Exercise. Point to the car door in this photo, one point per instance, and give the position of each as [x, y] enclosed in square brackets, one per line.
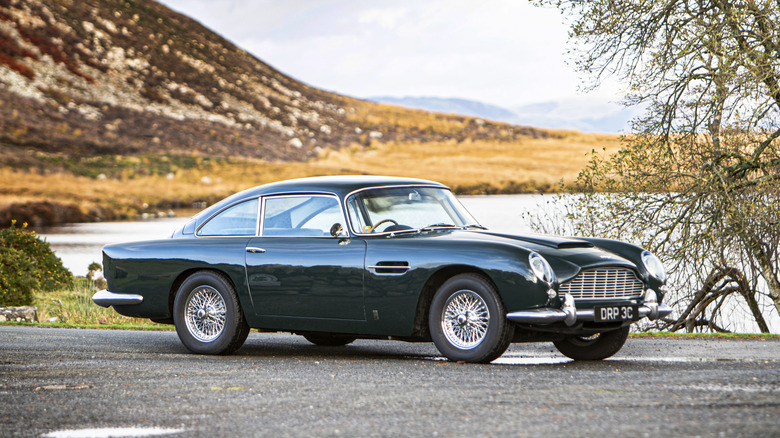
[297, 269]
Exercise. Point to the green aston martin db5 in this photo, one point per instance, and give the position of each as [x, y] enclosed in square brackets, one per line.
[335, 259]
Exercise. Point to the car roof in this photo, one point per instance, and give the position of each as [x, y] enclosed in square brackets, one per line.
[341, 186]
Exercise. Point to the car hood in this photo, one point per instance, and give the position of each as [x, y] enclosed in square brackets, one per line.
[568, 256]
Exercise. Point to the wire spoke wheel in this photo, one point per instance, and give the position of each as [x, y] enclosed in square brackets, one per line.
[465, 319]
[205, 314]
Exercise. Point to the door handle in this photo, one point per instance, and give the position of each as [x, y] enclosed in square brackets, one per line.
[254, 250]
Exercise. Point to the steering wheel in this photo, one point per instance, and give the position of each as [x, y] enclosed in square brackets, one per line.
[383, 221]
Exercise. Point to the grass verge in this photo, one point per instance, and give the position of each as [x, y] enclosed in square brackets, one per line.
[154, 327]
[74, 308]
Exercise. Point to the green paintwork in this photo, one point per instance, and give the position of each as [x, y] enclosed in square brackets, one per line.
[372, 285]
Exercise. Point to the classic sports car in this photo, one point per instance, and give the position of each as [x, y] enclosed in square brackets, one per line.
[335, 259]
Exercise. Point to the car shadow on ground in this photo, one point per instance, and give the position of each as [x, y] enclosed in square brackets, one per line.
[285, 346]
[296, 347]
[291, 346]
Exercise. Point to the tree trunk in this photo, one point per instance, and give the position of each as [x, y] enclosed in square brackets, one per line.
[755, 310]
[771, 279]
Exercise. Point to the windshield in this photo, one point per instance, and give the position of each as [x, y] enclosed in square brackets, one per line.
[405, 208]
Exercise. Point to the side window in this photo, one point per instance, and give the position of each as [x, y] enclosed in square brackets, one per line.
[301, 216]
[238, 220]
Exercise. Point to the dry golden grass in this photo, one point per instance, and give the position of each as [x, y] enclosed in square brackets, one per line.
[369, 113]
[533, 162]
[491, 165]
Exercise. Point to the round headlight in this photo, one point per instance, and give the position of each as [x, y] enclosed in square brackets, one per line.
[654, 266]
[542, 269]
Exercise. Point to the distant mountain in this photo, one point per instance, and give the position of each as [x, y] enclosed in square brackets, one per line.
[581, 114]
[463, 107]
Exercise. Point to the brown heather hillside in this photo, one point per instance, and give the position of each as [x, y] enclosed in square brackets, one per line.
[101, 99]
[131, 77]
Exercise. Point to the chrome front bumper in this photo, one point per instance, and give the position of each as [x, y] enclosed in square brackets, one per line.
[570, 315]
[105, 298]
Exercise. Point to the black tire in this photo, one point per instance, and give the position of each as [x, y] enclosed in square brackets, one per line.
[596, 347]
[329, 339]
[480, 336]
[220, 327]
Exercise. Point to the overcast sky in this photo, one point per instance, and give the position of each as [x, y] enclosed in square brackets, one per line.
[504, 52]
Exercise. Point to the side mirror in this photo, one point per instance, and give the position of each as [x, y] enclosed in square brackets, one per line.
[337, 230]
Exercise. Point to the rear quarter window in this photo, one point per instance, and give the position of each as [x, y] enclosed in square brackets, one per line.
[238, 220]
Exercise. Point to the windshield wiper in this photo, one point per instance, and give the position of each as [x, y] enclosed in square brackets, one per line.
[435, 227]
[404, 231]
[441, 226]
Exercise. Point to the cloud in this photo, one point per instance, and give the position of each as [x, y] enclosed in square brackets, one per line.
[384, 18]
[505, 52]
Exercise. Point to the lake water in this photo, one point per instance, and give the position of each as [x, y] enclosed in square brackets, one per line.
[80, 244]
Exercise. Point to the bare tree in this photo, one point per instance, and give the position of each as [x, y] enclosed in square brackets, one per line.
[698, 179]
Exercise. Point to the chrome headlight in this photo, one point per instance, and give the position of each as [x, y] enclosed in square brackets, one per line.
[542, 269]
[654, 266]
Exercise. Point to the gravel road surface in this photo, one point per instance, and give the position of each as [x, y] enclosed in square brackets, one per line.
[69, 382]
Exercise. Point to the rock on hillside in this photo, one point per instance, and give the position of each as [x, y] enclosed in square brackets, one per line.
[93, 77]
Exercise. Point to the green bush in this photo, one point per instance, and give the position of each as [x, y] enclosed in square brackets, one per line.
[18, 278]
[27, 263]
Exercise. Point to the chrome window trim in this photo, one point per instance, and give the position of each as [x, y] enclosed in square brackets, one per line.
[260, 217]
[265, 198]
[260, 201]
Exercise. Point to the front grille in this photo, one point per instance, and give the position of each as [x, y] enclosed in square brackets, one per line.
[604, 283]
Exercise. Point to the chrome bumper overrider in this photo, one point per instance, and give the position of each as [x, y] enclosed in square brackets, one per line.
[570, 315]
[105, 298]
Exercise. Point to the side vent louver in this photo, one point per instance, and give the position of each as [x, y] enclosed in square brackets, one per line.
[390, 268]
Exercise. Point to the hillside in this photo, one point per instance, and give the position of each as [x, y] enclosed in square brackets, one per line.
[131, 77]
[97, 97]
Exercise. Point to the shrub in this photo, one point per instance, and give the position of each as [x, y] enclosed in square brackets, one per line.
[28, 263]
[18, 278]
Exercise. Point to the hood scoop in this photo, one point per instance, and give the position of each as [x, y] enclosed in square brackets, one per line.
[552, 241]
[557, 242]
